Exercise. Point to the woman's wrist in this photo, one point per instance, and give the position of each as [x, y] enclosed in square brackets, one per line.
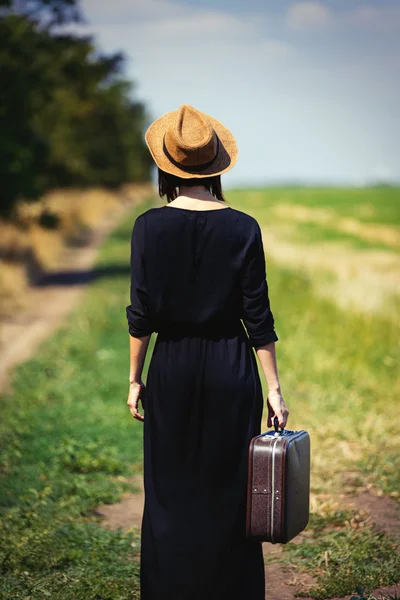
[274, 389]
[134, 382]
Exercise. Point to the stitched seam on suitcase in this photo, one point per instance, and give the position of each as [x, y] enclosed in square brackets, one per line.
[253, 499]
[273, 488]
[253, 503]
[260, 485]
[283, 495]
[270, 499]
[250, 490]
[280, 502]
[268, 487]
[261, 491]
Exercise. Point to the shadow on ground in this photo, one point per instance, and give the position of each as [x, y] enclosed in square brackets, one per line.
[81, 276]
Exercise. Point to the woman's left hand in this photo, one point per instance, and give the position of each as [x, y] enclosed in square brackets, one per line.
[137, 391]
[277, 408]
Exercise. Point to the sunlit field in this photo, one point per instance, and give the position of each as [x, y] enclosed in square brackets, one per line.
[333, 270]
[336, 300]
[70, 444]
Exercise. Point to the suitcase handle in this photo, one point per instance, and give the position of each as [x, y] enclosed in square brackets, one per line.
[276, 425]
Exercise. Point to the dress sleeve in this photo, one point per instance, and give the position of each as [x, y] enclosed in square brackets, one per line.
[256, 311]
[137, 312]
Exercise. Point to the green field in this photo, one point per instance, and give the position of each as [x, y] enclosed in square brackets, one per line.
[69, 443]
[374, 205]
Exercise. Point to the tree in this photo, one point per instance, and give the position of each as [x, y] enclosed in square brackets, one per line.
[48, 12]
[66, 113]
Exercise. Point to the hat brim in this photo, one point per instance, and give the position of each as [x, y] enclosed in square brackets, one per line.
[223, 162]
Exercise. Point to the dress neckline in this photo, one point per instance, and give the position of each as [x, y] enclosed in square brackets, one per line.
[207, 210]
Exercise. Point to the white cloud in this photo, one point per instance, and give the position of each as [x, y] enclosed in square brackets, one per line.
[308, 15]
[374, 17]
[382, 172]
[156, 21]
[209, 39]
[121, 10]
[315, 15]
[364, 15]
[201, 24]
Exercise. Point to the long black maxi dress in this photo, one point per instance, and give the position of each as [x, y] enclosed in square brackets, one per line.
[196, 277]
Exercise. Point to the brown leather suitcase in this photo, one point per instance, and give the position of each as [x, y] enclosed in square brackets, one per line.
[278, 494]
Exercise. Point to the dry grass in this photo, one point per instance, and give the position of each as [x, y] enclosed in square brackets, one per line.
[28, 247]
[371, 232]
[13, 284]
[365, 280]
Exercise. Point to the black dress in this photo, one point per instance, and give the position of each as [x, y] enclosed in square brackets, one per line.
[194, 276]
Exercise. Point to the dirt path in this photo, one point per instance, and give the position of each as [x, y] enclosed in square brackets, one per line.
[281, 584]
[49, 303]
[53, 298]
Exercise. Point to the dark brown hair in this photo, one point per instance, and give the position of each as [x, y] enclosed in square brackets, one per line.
[168, 185]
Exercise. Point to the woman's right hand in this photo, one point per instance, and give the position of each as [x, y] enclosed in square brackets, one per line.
[137, 391]
[277, 408]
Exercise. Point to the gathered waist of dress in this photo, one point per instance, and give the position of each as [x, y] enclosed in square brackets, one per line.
[213, 328]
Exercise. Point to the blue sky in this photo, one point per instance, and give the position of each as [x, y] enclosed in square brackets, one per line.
[311, 90]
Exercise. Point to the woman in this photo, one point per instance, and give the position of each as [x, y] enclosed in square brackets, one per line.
[197, 269]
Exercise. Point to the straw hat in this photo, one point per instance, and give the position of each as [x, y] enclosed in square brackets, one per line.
[188, 143]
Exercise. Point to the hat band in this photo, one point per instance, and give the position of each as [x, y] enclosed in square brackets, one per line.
[194, 168]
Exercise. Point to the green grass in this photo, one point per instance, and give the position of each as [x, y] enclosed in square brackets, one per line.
[69, 442]
[344, 560]
[338, 381]
[306, 233]
[339, 377]
[339, 372]
[369, 205]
